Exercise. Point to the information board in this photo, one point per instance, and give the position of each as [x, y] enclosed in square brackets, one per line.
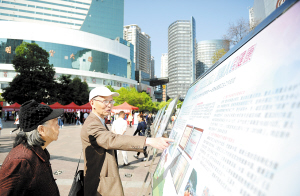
[166, 118]
[157, 116]
[157, 125]
[238, 130]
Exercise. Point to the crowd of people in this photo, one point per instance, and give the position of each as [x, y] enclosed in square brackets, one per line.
[27, 170]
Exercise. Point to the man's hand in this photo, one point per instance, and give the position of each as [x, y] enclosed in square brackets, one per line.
[159, 143]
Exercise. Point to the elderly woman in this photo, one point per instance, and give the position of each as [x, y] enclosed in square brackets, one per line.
[26, 170]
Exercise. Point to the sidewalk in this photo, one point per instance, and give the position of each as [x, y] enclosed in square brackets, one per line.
[65, 153]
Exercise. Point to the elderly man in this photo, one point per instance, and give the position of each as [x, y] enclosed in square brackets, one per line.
[100, 145]
[26, 170]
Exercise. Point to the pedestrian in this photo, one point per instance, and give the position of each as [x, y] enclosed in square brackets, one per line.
[149, 123]
[85, 115]
[101, 173]
[73, 118]
[60, 121]
[141, 131]
[173, 118]
[16, 123]
[130, 119]
[78, 118]
[65, 118]
[119, 126]
[26, 170]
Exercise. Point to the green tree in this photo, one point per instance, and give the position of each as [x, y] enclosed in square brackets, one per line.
[217, 55]
[133, 97]
[80, 91]
[111, 88]
[36, 76]
[164, 103]
[1, 98]
[64, 92]
[69, 90]
[179, 104]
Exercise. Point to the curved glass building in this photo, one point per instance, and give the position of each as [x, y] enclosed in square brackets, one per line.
[181, 57]
[83, 38]
[206, 49]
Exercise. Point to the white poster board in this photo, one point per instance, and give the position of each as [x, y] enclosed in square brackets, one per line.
[238, 130]
[166, 118]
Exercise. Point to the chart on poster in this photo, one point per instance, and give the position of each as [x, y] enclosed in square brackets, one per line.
[238, 129]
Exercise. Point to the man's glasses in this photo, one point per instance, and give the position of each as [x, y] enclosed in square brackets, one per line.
[106, 102]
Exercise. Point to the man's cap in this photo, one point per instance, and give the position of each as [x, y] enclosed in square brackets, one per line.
[101, 91]
[32, 114]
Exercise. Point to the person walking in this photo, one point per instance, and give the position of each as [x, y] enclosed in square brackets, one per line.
[26, 169]
[78, 118]
[16, 123]
[119, 126]
[149, 123]
[130, 119]
[99, 145]
[85, 115]
[141, 130]
[60, 121]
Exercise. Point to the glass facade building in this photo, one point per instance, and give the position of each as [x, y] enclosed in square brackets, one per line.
[83, 38]
[205, 51]
[181, 57]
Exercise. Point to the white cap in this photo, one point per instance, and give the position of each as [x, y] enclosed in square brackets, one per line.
[101, 91]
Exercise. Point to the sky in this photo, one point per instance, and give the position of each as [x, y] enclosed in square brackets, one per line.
[154, 17]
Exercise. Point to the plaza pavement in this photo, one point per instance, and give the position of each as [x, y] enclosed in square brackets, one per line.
[65, 153]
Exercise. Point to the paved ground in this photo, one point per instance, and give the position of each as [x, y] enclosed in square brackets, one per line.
[65, 153]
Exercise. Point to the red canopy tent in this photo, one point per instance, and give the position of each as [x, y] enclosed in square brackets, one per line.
[72, 107]
[124, 107]
[56, 106]
[12, 107]
[86, 107]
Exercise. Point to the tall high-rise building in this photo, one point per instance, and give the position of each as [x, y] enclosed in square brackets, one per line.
[164, 65]
[79, 35]
[181, 56]
[205, 51]
[142, 47]
[152, 67]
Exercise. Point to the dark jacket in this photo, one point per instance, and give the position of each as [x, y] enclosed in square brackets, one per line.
[149, 121]
[27, 172]
[141, 128]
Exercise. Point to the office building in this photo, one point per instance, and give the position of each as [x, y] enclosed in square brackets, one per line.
[205, 51]
[152, 68]
[164, 65]
[142, 47]
[181, 57]
[83, 39]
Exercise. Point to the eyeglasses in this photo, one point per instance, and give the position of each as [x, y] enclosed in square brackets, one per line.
[106, 102]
